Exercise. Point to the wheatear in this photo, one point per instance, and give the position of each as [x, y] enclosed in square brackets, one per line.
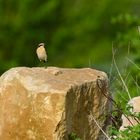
[41, 52]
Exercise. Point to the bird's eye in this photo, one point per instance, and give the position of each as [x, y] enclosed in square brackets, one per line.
[41, 44]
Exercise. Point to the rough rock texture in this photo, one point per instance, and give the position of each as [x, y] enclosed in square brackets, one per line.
[52, 103]
[135, 104]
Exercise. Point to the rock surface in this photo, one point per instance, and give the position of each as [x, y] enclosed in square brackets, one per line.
[134, 104]
[52, 103]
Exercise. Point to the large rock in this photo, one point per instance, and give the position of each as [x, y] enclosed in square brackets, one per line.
[52, 103]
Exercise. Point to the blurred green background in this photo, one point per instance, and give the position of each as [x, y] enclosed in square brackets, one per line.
[77, 33]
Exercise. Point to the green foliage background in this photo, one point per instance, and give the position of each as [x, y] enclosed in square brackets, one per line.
[77, 33]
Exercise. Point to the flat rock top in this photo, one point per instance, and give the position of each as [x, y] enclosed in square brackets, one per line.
[50, 79]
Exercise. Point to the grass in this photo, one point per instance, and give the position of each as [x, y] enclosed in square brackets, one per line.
[125, 87]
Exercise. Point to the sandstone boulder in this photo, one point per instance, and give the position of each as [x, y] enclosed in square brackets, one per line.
[52, 103]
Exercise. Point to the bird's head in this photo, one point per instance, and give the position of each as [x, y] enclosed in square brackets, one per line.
[41, 44]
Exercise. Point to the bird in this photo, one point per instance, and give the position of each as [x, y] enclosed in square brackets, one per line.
[41, 52]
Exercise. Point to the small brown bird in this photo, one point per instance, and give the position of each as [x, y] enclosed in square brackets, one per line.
[41, 52]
